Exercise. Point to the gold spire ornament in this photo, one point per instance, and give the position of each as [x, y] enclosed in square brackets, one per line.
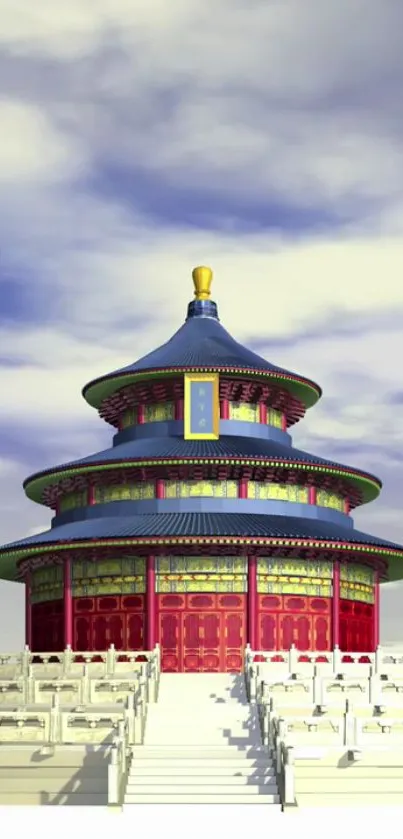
[202, 278]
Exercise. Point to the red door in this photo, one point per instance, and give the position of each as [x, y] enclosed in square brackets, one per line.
[284, 620]
[204, 633]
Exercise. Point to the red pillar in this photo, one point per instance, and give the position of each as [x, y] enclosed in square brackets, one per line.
[376, 610]
[263, 413]
[90, 495]
[243, 488]
[150, 613]
[68, 604]
[252, 602]
[140, 414]
[159, 488]
[28, 610]
[312, 495]
[346, 506]
[336, 604]
[283, 422]
[224, 409]
[179, 409]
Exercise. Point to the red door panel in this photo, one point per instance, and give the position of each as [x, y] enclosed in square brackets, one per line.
[135, 632]
[170, 640]
[192, 642]
[235, 638]
[211, 642]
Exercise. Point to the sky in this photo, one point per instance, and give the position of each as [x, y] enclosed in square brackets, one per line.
[139, 139]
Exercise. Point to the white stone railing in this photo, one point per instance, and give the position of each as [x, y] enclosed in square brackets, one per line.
[299, 664]
[118, 765]
[24, 682]
[58, 725]
[109, 661]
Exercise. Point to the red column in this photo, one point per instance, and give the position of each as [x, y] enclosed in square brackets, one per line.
[224, 409]
[150, 615]
[68, 604]
[283, 422]
[159, 488]
[243, 488]
[179, 409]
[90, 495]
[263, 413]
[252, 602]
[376, 611]
[28, 610]
[140, 414]
[336, 604]
[312, 495]
[346, 506]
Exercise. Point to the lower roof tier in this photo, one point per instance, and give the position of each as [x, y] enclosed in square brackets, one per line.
[173, 529]
[225, 448]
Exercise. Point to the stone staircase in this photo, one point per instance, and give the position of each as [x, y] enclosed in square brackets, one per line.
[202, 745]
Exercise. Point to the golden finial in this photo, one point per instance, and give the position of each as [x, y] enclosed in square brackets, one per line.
[202, 278]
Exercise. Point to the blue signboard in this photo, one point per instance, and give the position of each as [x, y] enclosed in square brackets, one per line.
[202, 407]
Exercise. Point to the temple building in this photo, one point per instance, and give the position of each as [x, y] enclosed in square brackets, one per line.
[202, 528]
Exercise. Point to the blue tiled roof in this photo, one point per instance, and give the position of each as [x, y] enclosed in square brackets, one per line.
[200, 342]
[199, 524]
[178, 448]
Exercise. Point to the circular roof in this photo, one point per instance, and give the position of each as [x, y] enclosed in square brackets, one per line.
[206, 528]
[201, 343]
[176, 448]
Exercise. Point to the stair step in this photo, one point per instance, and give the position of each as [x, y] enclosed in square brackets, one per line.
[165, 784]
[209, 771]
[170, 762]
[224, 751]
[194, 798]
[203, 789]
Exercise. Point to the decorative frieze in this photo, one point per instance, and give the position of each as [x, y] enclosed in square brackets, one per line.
[287, 576]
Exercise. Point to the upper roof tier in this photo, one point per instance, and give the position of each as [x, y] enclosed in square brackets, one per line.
[201, 344]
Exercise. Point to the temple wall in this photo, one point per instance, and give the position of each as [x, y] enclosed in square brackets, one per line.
[216, 599]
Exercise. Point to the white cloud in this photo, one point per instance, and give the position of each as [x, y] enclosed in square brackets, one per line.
[32, 149]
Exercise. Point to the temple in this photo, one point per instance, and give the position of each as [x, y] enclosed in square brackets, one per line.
[202, 528]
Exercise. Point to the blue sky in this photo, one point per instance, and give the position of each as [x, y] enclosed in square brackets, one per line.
[140, 139]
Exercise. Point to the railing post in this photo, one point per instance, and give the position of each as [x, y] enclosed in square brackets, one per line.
[122, 729]
[289, 775]
[317, 687]
[157, 651]
[113, 776]
[279, 740]
[54, 730]
[29, 686]
[111, 659]
[378, 659]
[292, 659]
[85, 687]
[336, 659]
[129, 715]
[374, 687]
[269, 724]
[25, 660]
[67, 660]
[348, 719]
